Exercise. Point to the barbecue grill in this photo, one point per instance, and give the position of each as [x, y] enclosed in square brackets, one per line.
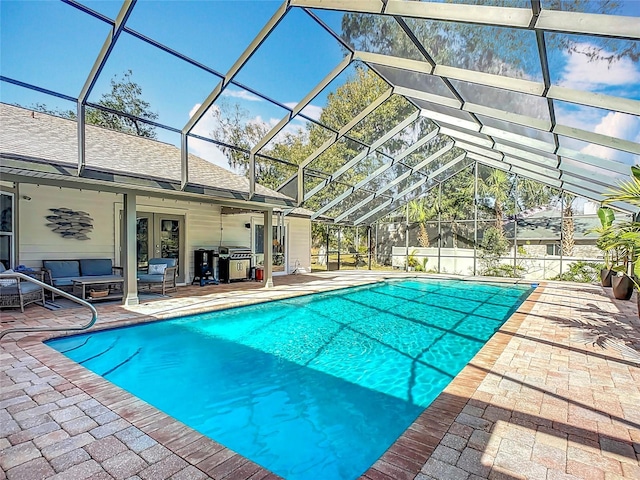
[235, 263]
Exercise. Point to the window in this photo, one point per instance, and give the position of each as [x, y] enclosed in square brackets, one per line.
[6, 229]
[554, 249]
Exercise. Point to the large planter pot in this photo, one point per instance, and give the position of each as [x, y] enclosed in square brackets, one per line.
[622, 287]
[605, 276]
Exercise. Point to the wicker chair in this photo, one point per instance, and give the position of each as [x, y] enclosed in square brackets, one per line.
[18, 293]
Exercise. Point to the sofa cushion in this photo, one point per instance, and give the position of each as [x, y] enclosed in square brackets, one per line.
[28, 287]
[11, 290]
[169, 262]
[95, 266]
[157, 268]
[25, 287]
[63, 268]
[63, 281]
[148, 278]
[8, 282]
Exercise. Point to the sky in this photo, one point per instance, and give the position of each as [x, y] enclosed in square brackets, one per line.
[53, 45]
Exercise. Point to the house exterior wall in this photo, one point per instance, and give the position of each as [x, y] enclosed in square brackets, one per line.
[38, 242]
[205, 227]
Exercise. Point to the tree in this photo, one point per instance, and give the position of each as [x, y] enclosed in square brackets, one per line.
[126, 97]
[489, 49]
[568, 225]
[456, 202]
[235, 128]
[420, 211]
[495, 189]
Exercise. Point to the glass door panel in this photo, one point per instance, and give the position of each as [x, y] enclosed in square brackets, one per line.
[168, 239]
[278, 247]
[143, 242]
[6, 230]
[279, 254]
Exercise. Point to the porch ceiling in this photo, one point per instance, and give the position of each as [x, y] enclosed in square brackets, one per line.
[484, 83]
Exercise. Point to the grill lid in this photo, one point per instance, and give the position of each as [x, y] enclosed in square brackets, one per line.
[235, 251]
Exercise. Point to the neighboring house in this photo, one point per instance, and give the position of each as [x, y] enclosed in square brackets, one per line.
[39, 158]
[539, 233]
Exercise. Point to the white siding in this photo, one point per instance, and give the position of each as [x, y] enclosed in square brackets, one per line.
[38, 242]
[300, 244]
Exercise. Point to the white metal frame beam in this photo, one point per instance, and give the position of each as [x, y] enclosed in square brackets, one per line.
[101, 60]
[396, 180]
[412, 187]
[423, 141]
[335, 138]
[614, 26]
[217, 91]
[363, 154]
[346, 61]
[528, 87]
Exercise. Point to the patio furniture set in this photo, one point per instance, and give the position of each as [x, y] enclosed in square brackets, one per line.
[89, 279]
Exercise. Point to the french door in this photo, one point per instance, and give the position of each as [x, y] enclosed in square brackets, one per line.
[159, 235]
[279, 245]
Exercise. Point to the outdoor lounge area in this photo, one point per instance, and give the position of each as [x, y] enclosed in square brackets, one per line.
[319, 239]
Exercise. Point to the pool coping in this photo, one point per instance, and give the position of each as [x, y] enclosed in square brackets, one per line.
[402, 460]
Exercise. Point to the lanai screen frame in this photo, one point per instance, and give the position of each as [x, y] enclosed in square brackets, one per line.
[478, 142]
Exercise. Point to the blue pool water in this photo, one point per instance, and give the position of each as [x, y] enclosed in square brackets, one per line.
[314, 387]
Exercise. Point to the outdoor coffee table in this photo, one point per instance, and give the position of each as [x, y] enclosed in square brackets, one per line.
[83, 285]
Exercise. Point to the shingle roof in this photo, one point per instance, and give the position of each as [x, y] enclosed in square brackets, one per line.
[37, 135]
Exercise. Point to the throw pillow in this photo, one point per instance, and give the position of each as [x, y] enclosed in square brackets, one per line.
[8, 282]
[157, 269]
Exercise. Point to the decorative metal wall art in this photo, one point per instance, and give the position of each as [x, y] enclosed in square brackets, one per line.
[70, 223]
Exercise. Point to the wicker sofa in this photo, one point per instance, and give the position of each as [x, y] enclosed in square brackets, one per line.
[16, 292]
[61, 273]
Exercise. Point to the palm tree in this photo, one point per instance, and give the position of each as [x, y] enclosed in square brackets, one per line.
[420, 211]
[496, 187]
[627, 234]
[568, 226]
[628, 191]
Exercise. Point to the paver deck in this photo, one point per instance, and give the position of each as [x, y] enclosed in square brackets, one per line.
[555, 394]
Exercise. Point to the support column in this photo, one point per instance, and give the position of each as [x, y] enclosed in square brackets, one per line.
[377, 243]
[515, 229]
[475, 220]
[562, 200]
[268, 248]
[328, 243]
[129, 252]
[339, 244]
[406, 240]
[439, 226]
[369, 245]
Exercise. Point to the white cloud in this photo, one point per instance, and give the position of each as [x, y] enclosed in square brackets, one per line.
[241, 94]
[617, 125]
[581, 73]
[311, 111]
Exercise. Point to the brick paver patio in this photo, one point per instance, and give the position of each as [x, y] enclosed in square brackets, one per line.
[555, 394]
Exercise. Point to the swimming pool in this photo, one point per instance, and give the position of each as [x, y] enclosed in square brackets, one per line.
[317, 386]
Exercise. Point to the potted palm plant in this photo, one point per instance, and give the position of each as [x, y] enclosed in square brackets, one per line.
[604, 241]
[626, 236]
